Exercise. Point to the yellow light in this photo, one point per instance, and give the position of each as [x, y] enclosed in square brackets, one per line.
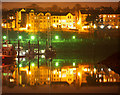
[100, 80]
[114, 80]
[105, 80]
[91, 72]
[11, 80]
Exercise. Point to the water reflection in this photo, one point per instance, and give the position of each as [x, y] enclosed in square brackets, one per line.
[55, 73]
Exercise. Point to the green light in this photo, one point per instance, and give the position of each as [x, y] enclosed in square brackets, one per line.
[33, 64]
[73, 37]
[73, 63]
[56, 37]
[20, 65]
[32, 37]
[4, 37]
[20, 37]
[56, 64]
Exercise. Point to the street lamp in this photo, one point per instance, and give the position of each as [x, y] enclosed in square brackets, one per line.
[32, 37]
[4, 37]
[20, 37]
[73, 37]
[73, 63]
[56, 37]
[33, 64]
[56, 64]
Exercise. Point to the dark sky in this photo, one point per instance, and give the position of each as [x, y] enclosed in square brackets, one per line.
[10, 5]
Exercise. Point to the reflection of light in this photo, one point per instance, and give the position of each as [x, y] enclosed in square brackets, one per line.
[42, 51]
[102, 26]
[20, 65]
[101, 69]
[23, 53]
[88, 69]
[42, 56]
[48, 78]
[100, 80]
[94, 69]
[71, 72]
[30, 73]
[100, 75]
[109, 69]
[54, 25]
[74, 68]
[85, 69]
[105, 80]
[91, 72]
[109, 27]
[23, 59]
[114, 80]
[116, 27]
[11, 80]
[94, 26]
[78, 73]
[78, 22]
[84, 27]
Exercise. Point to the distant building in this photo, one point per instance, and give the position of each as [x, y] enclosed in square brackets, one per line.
[31, 21]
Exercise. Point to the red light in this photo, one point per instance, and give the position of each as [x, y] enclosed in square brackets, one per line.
[3, 64]
[3, 57]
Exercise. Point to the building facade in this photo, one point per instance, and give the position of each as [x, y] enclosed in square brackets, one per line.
[32, 21]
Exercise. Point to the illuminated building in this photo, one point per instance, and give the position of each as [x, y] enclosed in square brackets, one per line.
[31, 21]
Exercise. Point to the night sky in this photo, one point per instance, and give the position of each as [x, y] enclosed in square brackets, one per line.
[10, 5]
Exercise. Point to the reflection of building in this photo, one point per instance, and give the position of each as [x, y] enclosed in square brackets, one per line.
[78, 75]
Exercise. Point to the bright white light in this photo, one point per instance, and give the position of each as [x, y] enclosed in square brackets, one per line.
[101, 69]
[102, 26]
[78, 22]
[84, 26]
[48, 78]
[30, 73]
[64, 75]
[54, 25]
[11, 80]
[100, 75]
[26, 50]
[109, 69]
[88, 69]
[29, 24]
[94, 26]
[94, 69]
[23, 59]
[85, 69]
[63, 20]
[116, 27]
[78, 73]
[42, 56]
[23, 53]
[109, 27]
[42, 51]
[114, 16]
